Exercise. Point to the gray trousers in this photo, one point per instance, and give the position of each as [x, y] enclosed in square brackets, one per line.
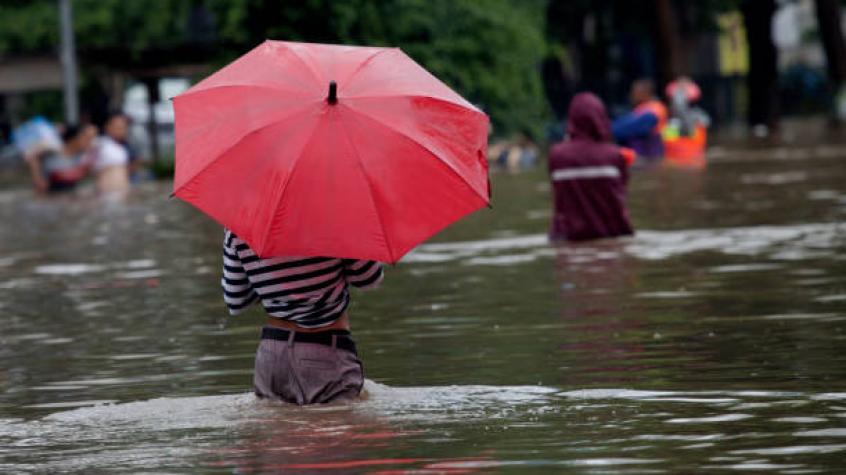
[306, 373]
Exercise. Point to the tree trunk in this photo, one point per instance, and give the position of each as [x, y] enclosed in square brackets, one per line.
[593, 48]
[763, 63]
[557, 86]
[828, 17]
[560, 70]
[153, 98]
[668, 43]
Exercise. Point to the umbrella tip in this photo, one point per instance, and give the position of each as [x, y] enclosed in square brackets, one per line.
[333, 93]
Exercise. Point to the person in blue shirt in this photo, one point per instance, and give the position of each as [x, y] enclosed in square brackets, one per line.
[640, 129]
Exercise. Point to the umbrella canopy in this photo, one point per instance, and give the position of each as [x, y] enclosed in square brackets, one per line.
[322, 150]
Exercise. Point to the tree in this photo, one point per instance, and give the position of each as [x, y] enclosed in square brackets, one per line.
[668, 43]
[831, 33]
[579, 35]
[763, 63]
[488, 50]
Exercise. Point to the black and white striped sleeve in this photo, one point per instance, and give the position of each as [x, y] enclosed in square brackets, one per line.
[363, 274]
[238, 292]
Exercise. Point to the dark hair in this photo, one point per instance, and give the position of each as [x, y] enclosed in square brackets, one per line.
[114, 115]
[71, 131]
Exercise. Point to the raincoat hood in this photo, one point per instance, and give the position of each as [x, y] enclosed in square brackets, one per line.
[587, 119]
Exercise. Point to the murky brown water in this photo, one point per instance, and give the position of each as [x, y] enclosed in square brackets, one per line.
[711, 342]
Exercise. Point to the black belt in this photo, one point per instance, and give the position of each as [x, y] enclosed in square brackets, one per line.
[342, 338]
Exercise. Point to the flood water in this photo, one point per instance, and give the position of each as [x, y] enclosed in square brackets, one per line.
[711, 342]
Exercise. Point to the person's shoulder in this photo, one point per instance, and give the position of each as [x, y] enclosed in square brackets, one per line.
[230, 239]
[560, 149]
[609, 147]
[109, 151]
[558, 145]
[612, 152]
[575, 151]
[110, 145]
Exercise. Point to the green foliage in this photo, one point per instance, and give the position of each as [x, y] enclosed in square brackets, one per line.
[49, 104]
[705, 14]
[28, 26]
[132, 26]
[488, 50]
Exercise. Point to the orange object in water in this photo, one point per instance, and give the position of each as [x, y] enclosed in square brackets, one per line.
[628, 154]
[688, 151]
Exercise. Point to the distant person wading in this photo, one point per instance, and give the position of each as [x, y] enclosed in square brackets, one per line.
[641, 128]
[112, 162]
[589, 175]
[60, 170]
[306, 354]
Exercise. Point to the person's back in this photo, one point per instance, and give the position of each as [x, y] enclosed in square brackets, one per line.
[589, 176]
[306, 354]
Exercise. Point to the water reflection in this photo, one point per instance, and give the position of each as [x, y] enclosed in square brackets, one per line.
[594, 281]
[288, 439]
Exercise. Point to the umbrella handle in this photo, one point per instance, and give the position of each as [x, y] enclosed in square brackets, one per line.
[333, 93]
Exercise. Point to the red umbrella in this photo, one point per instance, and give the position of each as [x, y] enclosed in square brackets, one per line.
[320, 150]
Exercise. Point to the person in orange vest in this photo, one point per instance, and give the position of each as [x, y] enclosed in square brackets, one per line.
[640, 129]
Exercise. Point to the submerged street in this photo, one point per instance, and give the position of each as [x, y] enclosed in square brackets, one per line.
[712, 340]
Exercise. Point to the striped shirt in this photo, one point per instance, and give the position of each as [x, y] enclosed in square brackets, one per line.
[311, 292]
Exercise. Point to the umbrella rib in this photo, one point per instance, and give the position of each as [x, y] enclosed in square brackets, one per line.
[190, 92]
[372, 197]
[431, 152]
[266, 233]
[466, 104]
[309, 67]
[367, 61]
[227, 149]
[244, 61]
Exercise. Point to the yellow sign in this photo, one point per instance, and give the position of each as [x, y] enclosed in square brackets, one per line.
[733, 49]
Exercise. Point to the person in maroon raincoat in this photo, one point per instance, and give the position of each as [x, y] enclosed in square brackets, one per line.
[589, 175]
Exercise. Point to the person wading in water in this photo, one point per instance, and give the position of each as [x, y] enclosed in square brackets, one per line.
[306, 354]
[589, 176]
